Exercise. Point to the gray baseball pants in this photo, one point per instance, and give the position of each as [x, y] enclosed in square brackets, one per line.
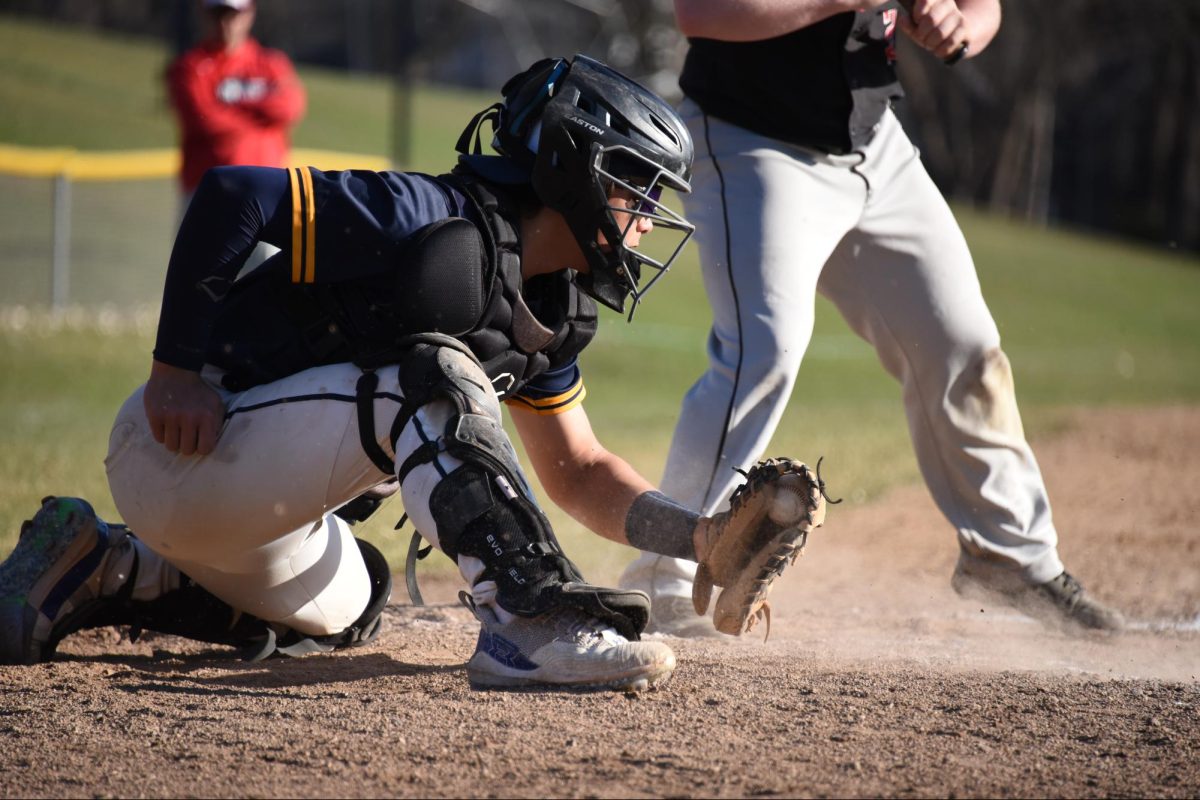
[776, 223]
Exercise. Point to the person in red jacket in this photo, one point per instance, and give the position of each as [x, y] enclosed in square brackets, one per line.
[236, 100]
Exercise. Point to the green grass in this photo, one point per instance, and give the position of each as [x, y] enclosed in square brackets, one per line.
[65, 87]
[68, 88]
[1086, 321]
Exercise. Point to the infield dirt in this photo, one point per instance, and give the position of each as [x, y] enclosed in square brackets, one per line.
[876, 680]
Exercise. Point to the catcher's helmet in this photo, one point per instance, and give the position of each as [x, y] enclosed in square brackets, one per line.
[574, 130]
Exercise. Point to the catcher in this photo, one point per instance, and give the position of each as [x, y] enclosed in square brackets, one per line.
[374, 350]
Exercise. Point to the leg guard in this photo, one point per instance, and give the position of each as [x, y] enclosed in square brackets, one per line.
[484, 509]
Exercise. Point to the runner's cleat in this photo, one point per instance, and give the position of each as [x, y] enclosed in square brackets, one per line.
[1061, 602]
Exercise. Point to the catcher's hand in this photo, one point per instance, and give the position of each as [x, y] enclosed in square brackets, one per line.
[749, 545]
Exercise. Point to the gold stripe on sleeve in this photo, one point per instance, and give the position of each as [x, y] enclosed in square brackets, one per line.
[297, 233]
[310, 229]
[549, 406]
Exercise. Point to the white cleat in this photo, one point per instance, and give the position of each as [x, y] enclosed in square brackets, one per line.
[563, 648]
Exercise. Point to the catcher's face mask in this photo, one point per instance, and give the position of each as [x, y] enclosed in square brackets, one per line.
[628, 192]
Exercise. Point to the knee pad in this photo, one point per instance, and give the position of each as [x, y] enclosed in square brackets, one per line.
[439, 367]
[435, 365]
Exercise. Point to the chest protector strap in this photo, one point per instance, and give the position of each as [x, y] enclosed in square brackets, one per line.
[528, 326]
[364, 398]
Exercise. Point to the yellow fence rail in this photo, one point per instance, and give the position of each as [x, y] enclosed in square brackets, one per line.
[131, 165]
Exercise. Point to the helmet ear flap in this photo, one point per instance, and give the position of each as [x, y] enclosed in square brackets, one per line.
[522, 80]
[525, 95]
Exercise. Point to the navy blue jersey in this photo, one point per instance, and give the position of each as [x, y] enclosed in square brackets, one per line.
[366, 219]
[333, 229]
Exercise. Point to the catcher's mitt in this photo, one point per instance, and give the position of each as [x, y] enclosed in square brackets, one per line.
[764, 530]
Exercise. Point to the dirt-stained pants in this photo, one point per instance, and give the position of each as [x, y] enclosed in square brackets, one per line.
[870, 231]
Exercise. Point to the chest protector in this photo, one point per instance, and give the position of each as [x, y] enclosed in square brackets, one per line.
[455, 278]
[526, 328]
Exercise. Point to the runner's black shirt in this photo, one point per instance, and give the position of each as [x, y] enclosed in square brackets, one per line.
[825, 86]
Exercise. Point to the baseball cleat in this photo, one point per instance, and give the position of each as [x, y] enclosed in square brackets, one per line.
[1061, 602]
[563, 648]
[51, 582]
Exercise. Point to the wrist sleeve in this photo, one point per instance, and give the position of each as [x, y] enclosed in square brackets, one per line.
[658, 524]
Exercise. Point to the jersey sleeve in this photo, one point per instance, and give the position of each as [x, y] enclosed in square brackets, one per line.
[552, 392]
[331, 227]
[355, 223]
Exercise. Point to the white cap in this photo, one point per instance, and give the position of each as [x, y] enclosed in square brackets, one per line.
[238, 5]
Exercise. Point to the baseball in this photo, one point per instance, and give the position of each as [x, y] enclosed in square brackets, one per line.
[787, 507]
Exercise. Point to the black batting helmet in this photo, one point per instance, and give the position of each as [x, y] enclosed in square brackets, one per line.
[575, 130]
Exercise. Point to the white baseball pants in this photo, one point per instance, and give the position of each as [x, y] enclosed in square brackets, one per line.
[776, 223]
[252, 521]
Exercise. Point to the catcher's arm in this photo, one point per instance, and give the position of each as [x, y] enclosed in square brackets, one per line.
[602, 491]
[581, 476]
[742, 550]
